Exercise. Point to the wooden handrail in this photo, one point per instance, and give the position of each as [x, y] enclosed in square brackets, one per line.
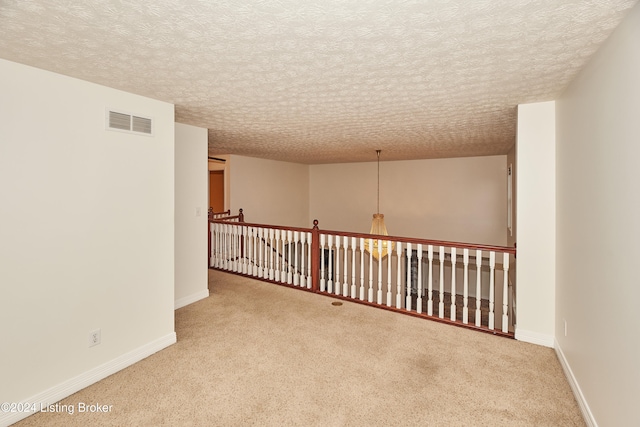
[411, 240]
[424, 241]
[211, 213]
[239, 217]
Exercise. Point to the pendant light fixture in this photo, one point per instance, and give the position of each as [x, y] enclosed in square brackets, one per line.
[377, 226]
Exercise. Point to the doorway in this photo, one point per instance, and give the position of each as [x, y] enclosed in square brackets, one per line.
[216, 191]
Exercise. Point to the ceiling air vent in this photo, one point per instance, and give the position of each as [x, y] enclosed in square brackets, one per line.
[129, 123]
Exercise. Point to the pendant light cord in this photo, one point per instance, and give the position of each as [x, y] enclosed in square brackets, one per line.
[378, 153]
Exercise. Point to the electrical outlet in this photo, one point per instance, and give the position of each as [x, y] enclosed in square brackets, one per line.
[95, 337]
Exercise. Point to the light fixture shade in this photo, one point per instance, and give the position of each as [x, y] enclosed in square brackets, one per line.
[377, 225]
[378, 228]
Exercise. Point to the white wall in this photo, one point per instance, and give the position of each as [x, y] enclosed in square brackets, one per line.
[598, 222]
[269, 191]
[462, 199]
[535, 186]
[191, 205]
[86, 234]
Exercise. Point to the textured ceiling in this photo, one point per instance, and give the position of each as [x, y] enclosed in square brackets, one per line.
[323, 81]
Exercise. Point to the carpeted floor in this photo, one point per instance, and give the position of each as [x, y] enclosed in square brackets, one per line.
[255, 353]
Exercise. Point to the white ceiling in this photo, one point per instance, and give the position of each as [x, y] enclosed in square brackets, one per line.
[323, 81]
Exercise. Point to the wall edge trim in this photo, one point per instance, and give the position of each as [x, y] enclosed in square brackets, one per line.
[535, 338]
[575, 388]
[190, 299]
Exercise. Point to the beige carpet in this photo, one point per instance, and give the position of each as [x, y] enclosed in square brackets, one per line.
[255, 353]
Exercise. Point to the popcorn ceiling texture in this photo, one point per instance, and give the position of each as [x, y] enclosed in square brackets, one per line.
[323, 81]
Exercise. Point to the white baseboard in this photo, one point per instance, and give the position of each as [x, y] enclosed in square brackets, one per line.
[577, 392]
[535, 338]
[67, 388]
[190, 299]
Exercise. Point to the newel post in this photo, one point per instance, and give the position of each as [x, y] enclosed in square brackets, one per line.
[242, 237]
[315, 256]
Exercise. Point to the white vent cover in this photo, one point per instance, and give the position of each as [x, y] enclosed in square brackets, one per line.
[129, 123]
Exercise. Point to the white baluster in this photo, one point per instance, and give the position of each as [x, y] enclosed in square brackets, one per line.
[465, 306]
[275, 250]
[303, 276]
[309, 260]
[217, 258]
[229, 247]
[505, 293]
[260, 251]
[441, 302]
[219, 240]
[283, 262]
[271, 247]
[279, 256]
[419, 300]
[337, 284]
[408, 296]
[248, 251]
[430, 281]
[389, 256]
[353, 267]
[245, 255]
[370, 293]
[330, 281]
[223, 246]
[256, 251]
[345, 281]
[362, 269]
[234, 245]
[492, 267]
[281, 275]
[214, 249]
[289, 243]
[478, 287]
[379, 294]
[296, 274]
[226, 251]
[322, 281]
[242, 261]
[214, 245]
[211, 245]
[399, 278]
[240, 255]
[265, 244]
[453, 284]
[256, 245]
